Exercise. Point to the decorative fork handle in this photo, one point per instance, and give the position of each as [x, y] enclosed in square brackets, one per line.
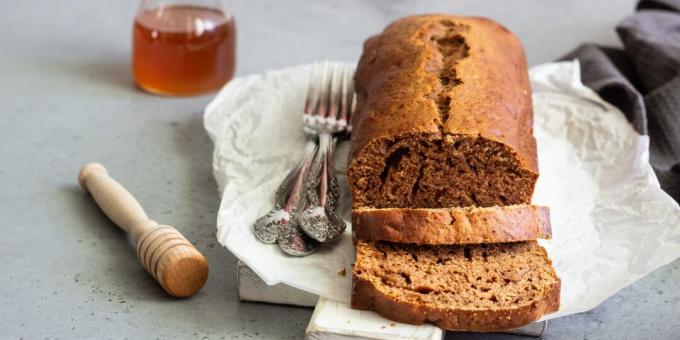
[319, 219]
[333, 187]
[294, 197]
[322, 187]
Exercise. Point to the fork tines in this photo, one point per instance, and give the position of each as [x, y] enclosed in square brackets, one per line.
[330, 98]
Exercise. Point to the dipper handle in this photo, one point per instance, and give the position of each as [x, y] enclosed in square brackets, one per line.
[167, 255]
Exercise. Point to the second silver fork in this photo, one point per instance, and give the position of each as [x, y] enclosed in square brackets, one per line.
[329, 115]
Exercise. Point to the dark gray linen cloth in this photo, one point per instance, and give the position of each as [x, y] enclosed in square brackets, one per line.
[643, 81]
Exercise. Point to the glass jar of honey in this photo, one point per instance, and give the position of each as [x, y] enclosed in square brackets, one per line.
[183, 47]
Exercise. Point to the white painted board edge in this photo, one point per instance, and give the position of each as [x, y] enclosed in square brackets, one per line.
[334, 320]
[251, 288]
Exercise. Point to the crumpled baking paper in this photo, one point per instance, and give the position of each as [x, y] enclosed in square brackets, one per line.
[612, 224]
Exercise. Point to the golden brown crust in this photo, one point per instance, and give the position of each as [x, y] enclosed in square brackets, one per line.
[367, 297]
[395, 82]
[467, 225]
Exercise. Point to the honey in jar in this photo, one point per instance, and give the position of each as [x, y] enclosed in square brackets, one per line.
[183, 49]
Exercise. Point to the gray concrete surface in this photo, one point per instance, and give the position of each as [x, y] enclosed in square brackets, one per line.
[67, 97]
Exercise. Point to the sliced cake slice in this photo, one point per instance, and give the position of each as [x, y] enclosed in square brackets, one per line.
[460, 225]
[487, 287]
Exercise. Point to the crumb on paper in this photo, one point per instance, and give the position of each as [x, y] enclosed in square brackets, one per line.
[349, 321]
[393, 324]
[343, 272]
[383, 327]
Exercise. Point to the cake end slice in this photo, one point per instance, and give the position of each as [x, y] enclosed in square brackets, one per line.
[486, 287]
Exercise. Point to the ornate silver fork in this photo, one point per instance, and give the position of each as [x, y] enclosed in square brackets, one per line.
[326, 113]
[329, 117]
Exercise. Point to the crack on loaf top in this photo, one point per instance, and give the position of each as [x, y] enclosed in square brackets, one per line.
[450, 48]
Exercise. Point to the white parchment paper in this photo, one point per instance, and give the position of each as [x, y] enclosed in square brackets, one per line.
[612, 224]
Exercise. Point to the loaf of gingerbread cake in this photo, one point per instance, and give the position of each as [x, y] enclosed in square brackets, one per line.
[444, 117]
[442, 168]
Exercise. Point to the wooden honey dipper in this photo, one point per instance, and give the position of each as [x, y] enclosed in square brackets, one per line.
[172, 260]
